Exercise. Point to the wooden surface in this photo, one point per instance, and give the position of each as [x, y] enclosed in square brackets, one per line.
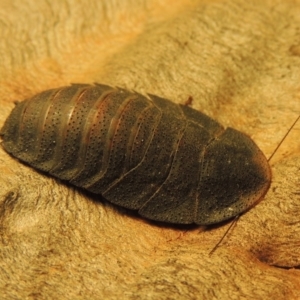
[240, 62]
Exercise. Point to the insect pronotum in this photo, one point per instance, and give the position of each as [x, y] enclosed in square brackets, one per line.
[168, 161]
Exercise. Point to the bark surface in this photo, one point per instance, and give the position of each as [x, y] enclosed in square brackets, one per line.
[240, 63]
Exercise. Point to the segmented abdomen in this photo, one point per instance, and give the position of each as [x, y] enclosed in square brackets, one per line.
[100, 138]
[170, 162]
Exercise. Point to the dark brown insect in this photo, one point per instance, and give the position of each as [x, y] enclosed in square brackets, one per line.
[168, 161]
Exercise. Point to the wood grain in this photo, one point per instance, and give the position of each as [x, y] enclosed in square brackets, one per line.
[240, 63]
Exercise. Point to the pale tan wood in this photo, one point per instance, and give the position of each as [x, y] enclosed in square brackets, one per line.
[240, 61]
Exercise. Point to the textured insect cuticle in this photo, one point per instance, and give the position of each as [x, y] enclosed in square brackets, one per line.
[169, 162]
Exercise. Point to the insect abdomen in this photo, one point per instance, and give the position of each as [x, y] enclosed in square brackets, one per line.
[168, 161]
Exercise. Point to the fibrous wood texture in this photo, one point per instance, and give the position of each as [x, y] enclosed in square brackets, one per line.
[239, 61]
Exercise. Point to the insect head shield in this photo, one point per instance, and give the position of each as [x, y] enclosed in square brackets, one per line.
[235, 176]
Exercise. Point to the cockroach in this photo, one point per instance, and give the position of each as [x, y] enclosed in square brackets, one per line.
[169, 162]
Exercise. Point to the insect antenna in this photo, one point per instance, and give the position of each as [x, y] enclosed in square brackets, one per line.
[236, 218]
[283, 139]
[233, 222]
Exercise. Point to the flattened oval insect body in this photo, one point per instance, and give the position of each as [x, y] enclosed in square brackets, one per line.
[168, 161]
